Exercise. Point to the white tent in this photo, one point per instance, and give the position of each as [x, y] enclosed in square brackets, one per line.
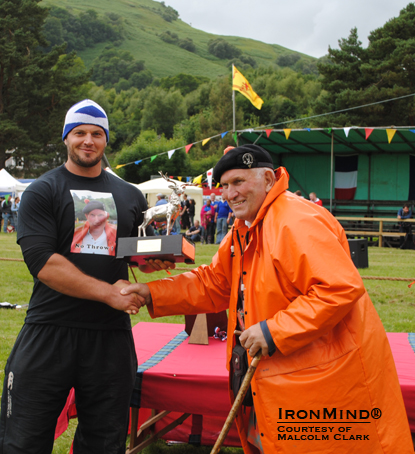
[151, 188]
[10, 184]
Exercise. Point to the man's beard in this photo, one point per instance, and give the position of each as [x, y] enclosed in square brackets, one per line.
[84, 163]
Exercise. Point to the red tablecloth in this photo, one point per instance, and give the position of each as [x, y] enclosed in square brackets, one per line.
[193, 379]
[404, 357]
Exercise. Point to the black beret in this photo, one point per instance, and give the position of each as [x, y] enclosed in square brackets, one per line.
[249, 156]
[93, 205]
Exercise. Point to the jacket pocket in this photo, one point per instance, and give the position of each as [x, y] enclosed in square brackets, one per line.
[337, 343]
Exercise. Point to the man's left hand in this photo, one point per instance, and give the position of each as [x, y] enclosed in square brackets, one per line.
[253, 340]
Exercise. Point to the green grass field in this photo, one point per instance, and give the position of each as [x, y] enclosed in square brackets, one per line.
[394, 301]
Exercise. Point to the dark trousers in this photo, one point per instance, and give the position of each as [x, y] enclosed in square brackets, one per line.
[45, 363]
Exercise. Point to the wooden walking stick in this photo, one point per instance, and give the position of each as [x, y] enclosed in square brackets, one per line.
[237, 403]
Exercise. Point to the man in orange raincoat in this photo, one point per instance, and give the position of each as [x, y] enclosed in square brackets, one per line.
[328, 382]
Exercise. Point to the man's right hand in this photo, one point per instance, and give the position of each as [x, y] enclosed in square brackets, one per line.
[130, 303]
[141, 291]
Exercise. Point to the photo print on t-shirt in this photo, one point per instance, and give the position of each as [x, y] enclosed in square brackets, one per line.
[95, 223]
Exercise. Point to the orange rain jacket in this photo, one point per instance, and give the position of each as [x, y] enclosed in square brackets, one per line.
[333, 373]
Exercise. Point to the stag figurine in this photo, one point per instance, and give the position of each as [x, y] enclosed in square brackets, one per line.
[167, 211]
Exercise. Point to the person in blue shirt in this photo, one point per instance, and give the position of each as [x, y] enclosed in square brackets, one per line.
[222, 218]
[404, 227]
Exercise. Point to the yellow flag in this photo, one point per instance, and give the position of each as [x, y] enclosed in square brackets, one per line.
[287, 133]
[205, 141]
[120, 165]
[390, 133]
[198, 180]
[239, 83]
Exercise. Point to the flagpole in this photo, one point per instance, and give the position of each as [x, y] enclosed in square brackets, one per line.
[233, 103]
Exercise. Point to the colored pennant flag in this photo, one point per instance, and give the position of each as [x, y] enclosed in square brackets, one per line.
[180, 178]
[198, 180]
[328, 130]
[345, 177]
[368, 131]
[307, 129]
[188, 179]
[235, 138]
[217, 185]
[287, 133]
[188, 147]
[346, 131]
[390, 133]
[223, 134]
[119, 166]
[209, 174]
[205, 141]
[170, 153]
[239, 83]
[137, 162]
[153, 158]
[268, 132]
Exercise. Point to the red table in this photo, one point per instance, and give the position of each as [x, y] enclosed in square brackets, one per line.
[192, 381]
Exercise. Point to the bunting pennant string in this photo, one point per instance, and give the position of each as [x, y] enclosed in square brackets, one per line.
[368, 131]
[390, 133]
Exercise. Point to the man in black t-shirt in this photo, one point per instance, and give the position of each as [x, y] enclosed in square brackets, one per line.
[77, 332]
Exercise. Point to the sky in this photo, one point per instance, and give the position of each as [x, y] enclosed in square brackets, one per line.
[307, 26]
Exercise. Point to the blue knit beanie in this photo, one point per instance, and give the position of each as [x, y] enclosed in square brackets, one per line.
[86, 112]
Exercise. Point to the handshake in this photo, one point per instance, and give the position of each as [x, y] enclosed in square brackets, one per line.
[130, 298]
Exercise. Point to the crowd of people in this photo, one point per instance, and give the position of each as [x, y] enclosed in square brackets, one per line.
[9, 211]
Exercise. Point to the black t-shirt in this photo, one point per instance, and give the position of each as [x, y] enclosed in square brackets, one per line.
[53, 218]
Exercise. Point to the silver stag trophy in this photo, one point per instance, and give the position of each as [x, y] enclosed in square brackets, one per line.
[167, 212]
[174, 248]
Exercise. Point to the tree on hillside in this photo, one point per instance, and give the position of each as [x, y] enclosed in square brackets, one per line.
[162, 110]
[355, 76]
[114, 64]
[222, 49]
[82, 31]
[36, 88]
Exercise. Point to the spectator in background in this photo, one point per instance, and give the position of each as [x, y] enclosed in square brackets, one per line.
[404, 227]
[215, 204]
[315, 199]
[15, 209]
[195, 232]
[161, 199]
[6, 212]
[191, 211]
[299, 194]
[222, 216]
[184, 213]
[207, 215]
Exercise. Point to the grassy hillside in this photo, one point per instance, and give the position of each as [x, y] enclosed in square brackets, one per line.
[143, 24]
